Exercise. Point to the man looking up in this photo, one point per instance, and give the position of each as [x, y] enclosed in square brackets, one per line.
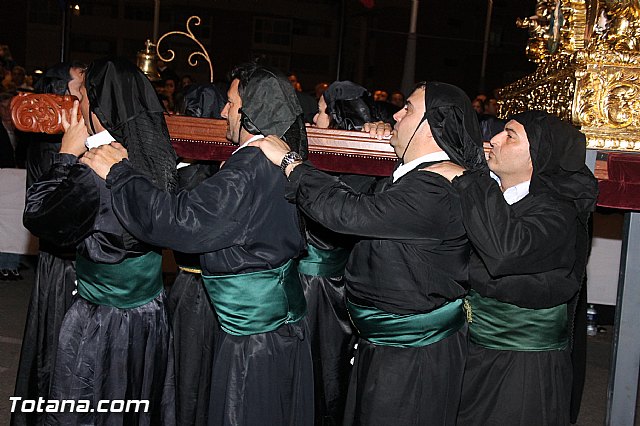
[248, 235]
[405, 275]
[529, 232]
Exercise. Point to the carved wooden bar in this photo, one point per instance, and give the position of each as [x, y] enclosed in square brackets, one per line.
[205, 138]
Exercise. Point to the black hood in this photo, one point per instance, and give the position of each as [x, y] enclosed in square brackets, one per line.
[348, 105]
[454, 124]
[127, 106]
[203, 100]
[271, 107]
[56, 78]
[558, 152]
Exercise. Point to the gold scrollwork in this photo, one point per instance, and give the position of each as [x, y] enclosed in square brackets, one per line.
[193, 57]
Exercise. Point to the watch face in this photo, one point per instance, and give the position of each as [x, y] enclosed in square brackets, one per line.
[555, 24]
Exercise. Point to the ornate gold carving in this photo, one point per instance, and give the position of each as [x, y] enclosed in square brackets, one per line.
[39, 113]
[588, 56]
[192, 60]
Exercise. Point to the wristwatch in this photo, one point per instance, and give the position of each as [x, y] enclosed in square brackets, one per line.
[289, 158]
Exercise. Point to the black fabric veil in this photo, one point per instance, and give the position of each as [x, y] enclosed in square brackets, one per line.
[271, 107]
[203, 100]
[558, 153]
[56, 79]
[127, 106]
[454, 124]
[349, 105]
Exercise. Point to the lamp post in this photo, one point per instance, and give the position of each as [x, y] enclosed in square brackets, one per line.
[485, 47]
[409, 73]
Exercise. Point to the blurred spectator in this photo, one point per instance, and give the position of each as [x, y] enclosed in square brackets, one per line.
[185, 81]
[18, 76]
[397, 99]
[380, 95]
[6, 60]
[293, 79]
[170, 93]
[478, 105]
[320, 88]
[307, 102]
[491, 106]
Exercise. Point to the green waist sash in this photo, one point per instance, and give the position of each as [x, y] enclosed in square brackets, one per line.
[257, 302]
[324, 263]
[503, 326]
[410, 330]
[131, 283]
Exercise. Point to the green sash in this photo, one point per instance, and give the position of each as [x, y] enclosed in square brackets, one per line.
[131, 283]
[324, 263]
[257, 302]
[410, 330]
[503, 326]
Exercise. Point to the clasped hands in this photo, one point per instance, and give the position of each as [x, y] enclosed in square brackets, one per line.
[100, 159]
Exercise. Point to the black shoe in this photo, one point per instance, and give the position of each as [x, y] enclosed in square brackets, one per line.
[4, 275]
[15, 275]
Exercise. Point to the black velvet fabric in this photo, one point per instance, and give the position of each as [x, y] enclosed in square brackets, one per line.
[51, 296]
[515, 388]
[407, 386]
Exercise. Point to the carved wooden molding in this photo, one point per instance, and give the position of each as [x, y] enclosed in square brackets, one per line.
[205, 138]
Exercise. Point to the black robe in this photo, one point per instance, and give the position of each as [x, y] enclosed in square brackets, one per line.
[51, 296]
[241, 223]
[526, 255]
[103, 352]
[411, 258]
[194, 323]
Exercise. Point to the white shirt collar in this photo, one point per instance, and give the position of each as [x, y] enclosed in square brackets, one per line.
[515, 193]
[406, 168]
[100, 138]
[253, 138]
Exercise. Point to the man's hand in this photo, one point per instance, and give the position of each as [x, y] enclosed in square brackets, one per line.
[102, 158]
[273, 147]
[379, 130]
[75, 133]
[446, 169]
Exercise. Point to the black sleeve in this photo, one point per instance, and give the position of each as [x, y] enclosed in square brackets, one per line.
[507, 241]
[416, 207]
[207, 218]
[62, 205]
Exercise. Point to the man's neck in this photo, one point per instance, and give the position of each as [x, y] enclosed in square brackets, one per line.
[420, 150]
[507, 182]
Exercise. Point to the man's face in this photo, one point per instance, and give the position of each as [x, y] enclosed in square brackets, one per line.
[322, 119]
[76, 82]
[407, 120]
[231, 112]
[509, 154]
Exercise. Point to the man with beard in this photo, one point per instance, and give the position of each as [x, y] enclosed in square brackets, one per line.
[405, 275]
[530, 236]
[249, 235]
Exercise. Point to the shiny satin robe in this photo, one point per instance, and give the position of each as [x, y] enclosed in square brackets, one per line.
[240, 221]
